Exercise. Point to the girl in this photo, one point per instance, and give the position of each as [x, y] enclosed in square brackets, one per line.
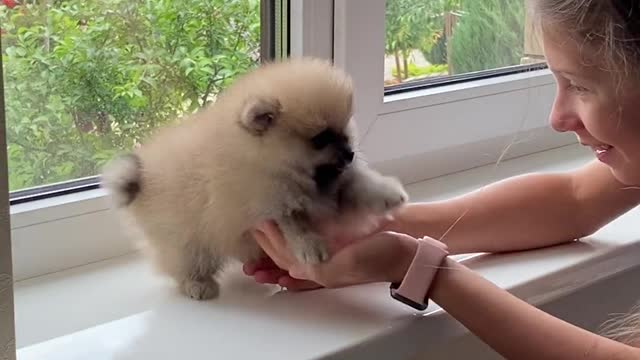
[593, 49]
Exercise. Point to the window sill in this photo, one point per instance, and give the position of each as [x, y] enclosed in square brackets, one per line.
[117, 309]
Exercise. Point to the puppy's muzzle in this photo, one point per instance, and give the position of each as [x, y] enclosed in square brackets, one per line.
[344, 157]
[326, 174]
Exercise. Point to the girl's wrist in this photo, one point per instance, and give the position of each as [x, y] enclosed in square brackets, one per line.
[418, 266]
[407, 247]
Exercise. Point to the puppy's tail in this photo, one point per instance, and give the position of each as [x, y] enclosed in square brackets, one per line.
[122, 178]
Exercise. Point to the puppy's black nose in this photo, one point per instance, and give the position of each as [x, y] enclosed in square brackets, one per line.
[348, 156]
[345, 154]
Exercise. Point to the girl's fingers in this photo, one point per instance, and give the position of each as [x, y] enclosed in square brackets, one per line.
[265, 263]
[277, 244]
[269, 276]
[266, 244]
[273, 233]
[273, 243]
[299, 272]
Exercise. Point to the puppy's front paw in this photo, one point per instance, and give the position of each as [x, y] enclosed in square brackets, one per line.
[201, 290]
[310, 250]
[384, 195]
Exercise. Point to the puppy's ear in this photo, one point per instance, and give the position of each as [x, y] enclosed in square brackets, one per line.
[260, 114]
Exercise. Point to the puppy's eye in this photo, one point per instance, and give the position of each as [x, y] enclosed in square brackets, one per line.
[323, 139]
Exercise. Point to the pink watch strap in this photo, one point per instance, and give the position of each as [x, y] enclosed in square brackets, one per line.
[416, 283]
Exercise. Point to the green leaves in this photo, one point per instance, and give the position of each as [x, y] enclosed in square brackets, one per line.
[489, 35]
[86, 79]
[414, 24]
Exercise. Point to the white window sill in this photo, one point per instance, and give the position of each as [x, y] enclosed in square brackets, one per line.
[117, 309]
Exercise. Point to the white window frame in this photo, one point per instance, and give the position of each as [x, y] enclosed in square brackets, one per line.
[415, 136]
[428, 133]
[7, 317]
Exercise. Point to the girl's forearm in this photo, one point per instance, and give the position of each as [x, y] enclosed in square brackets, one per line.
[504, 216]
[525, 212]
[513, 328]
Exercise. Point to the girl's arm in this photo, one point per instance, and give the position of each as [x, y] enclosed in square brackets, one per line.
[509, 325]
[523, 212]
[513, 328]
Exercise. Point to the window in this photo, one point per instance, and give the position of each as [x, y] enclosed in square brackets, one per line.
[435, 41]
[90, 72]
[428, 126]
[87, 79]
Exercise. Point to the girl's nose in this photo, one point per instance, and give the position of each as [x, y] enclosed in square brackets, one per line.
[564, 118]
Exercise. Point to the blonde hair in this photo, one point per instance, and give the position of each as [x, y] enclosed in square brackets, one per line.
[611, 28]
[624, 328]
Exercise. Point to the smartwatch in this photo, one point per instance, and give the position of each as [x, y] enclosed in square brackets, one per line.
[414, 288]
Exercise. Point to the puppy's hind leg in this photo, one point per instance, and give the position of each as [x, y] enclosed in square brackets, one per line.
[193, 268]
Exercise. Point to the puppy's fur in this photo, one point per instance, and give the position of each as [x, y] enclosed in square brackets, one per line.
[277, 144]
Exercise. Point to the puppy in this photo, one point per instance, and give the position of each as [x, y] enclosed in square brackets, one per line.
[277, 144]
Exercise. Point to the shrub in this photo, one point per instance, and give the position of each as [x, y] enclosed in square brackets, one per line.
[423, 71]
[437, 53]
[490, 34]
[413, 24]
[85, 79]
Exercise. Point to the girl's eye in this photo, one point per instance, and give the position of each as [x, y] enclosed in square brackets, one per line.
[577, 88]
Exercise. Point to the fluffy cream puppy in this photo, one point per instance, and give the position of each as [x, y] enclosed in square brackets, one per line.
[277, 144]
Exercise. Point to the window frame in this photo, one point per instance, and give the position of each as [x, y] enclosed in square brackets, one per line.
[7, 317]
[391, 124]
[72, 229]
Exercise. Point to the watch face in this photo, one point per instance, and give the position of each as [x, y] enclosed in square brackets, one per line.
[407, 301]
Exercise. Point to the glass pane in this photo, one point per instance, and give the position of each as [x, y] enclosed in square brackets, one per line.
[428, 39]
[85, 79]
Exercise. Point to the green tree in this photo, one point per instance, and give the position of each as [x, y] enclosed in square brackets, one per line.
[86, 79]
[436, 53]
[489, 34]
[414, 24]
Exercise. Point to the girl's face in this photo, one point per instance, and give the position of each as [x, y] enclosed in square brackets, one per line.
[602, 111]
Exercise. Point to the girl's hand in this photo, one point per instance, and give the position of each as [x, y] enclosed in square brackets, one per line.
[382, 257]
[340, 231]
